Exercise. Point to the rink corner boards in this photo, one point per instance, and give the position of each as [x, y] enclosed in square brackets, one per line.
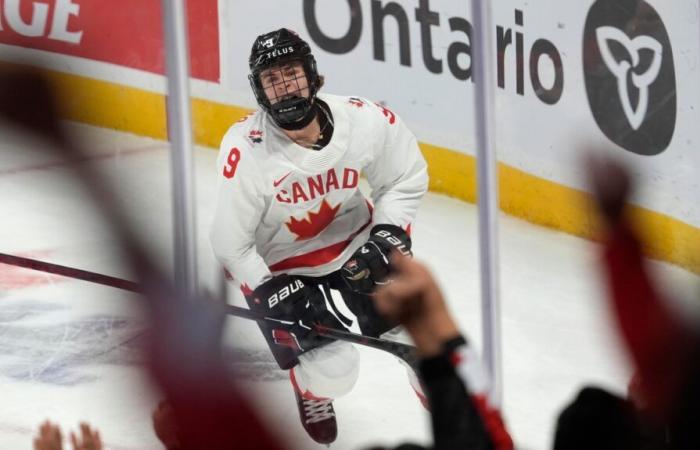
[523, 195]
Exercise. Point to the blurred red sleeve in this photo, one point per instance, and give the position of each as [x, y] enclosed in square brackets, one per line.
[658, 343]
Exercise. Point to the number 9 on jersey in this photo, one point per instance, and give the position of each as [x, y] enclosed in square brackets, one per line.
[234, 157]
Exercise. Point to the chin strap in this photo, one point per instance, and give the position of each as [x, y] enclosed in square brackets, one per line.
[278, 115]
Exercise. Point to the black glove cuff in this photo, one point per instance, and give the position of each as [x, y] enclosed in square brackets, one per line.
[435, 367]
[441, 365]
[453, 344]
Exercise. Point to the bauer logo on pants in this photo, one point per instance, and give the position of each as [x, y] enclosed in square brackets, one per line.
[630, 76]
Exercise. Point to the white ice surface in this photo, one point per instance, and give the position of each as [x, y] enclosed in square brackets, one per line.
[67, 347]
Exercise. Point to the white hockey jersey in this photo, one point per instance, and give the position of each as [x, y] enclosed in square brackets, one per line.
[283, 208]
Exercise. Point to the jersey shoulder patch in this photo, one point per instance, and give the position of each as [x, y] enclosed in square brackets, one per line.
[250, 121]
[237, 151]
[389, 116]
[358, 102]
[368, 110]
[248, 131]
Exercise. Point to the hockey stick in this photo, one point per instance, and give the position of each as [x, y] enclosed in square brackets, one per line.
[403, 351]
[70, 272]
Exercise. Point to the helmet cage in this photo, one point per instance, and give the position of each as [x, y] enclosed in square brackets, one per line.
[289, 113]
[310, 71]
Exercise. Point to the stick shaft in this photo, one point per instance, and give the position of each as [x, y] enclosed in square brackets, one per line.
[70, 272]
[403, 351]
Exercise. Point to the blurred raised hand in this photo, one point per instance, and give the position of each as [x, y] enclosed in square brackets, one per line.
[414, 300]
[88, 439]
[49, 437]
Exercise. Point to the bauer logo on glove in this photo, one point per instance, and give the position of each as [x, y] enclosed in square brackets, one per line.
[369, 266]
[402, 247]
[284, 292]
[295, 308]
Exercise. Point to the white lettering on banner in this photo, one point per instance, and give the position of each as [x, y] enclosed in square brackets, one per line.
[59, 26]
[36, 27]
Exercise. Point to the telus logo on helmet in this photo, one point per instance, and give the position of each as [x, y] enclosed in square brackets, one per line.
[630, 76]
[275, 54]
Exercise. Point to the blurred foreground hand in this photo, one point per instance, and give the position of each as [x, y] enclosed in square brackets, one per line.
[414, 300]
[610, 183]
[165, 426]
[88, 440]
[50, 438]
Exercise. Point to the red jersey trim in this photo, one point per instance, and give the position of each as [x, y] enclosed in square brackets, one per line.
[317, 257]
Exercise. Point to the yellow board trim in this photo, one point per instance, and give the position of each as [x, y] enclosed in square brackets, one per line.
[453, 173]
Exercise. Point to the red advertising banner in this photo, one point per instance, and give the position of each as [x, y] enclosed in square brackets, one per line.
[124, 32]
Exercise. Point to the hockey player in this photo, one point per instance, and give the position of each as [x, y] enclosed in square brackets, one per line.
[292, 227]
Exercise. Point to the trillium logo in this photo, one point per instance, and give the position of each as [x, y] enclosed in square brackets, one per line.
[623, 70]
[630, 77]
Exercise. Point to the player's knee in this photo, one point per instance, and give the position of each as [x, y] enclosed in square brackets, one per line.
[329, 371]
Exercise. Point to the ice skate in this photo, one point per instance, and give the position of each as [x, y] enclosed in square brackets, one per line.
[318, 418]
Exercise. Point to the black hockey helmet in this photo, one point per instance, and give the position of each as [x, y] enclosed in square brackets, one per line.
[273, 49]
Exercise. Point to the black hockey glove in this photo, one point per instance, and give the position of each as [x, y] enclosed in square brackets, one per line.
[294, 308]
[369, 265]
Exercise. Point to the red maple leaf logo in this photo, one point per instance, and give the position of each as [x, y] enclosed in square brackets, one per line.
[314, 223]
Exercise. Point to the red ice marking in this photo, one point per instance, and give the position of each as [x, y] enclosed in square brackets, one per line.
[61, 163]
[13, 277]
